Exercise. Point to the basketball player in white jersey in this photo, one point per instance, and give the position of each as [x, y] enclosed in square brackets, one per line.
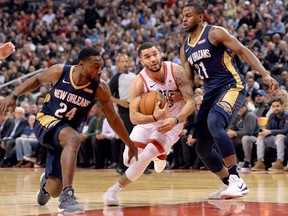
[154, 134]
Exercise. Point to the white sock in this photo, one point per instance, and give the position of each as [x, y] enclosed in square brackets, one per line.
[116, 187]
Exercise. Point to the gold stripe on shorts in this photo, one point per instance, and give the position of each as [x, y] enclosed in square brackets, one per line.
[45, 120]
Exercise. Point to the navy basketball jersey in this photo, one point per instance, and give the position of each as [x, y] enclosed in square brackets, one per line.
[68, 102]
[214, 64]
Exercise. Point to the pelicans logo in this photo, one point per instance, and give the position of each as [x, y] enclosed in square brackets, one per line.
[225, 106]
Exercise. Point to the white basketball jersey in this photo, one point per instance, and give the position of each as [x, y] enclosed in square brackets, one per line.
[169, 84]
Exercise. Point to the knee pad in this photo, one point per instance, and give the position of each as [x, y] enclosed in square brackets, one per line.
[126, 156]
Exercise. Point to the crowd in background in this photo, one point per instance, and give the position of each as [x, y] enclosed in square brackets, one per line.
[51, 32]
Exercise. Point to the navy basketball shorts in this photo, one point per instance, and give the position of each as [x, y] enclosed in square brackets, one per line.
[226, 103]
[47, 131]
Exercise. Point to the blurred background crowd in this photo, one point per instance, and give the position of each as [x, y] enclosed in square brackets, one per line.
[50, 32]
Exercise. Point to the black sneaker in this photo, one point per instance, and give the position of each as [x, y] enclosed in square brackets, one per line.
[121, 171]
[42, 196]
[68, 203]
[246, 167]
[147, 172]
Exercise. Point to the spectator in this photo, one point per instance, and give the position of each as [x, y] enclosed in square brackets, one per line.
[88, 138]
[105, 138]
[261, 106]
[26, 144]
[119, 85]
[85, 153]
[190, 157]
[15, 131]
[243, 132]
[278, 26]
[251, 85]
[273, 135]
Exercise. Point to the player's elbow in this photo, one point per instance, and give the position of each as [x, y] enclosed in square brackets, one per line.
[133, 120]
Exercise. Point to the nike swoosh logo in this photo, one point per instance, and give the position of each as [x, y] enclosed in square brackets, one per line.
[151, 86]
[187, 49]
[240, 186]
[66, 82]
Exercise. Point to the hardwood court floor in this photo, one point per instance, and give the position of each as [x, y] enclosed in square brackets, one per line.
[168, 193]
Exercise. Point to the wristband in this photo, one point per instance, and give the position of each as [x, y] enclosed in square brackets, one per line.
[176, 119]
[13, 96]
[154, 118]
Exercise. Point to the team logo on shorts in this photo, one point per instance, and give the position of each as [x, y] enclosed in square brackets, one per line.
[53, 123]
[225, 106]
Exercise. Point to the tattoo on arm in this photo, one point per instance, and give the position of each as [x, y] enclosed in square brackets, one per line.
[183, 82]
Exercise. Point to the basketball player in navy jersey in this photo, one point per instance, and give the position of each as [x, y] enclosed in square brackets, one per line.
[155, 134]
[74, 91]
[208, 51]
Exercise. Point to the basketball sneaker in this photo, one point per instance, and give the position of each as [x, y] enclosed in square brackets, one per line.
[42, 196]
[110, 199]
[68, 203]
[236, 188]
[246, 167]
[216, 195]
[159, 165]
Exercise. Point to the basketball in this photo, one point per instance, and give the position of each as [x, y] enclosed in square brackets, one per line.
[149, 100]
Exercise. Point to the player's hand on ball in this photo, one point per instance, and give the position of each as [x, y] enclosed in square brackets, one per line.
[158, 112]
[175, 96]
[167, 125]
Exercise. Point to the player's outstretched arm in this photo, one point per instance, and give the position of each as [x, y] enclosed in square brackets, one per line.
[49, 75]
[6, 50]
[221, 35]
[103, 94]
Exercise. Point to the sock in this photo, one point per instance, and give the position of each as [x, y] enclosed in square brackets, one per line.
[67, 187]
[225, 180]
[233, 170]
[116, 187]
[44, 189]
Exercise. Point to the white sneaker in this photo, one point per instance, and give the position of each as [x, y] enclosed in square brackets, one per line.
[236, 188]
[159, 165]
[216, 195]
[110, 199]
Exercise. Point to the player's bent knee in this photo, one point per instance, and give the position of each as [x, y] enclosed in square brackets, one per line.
[68, 136]
[216, 122]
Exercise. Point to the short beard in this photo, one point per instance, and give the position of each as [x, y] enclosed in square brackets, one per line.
[192, 28]
[156, 70]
